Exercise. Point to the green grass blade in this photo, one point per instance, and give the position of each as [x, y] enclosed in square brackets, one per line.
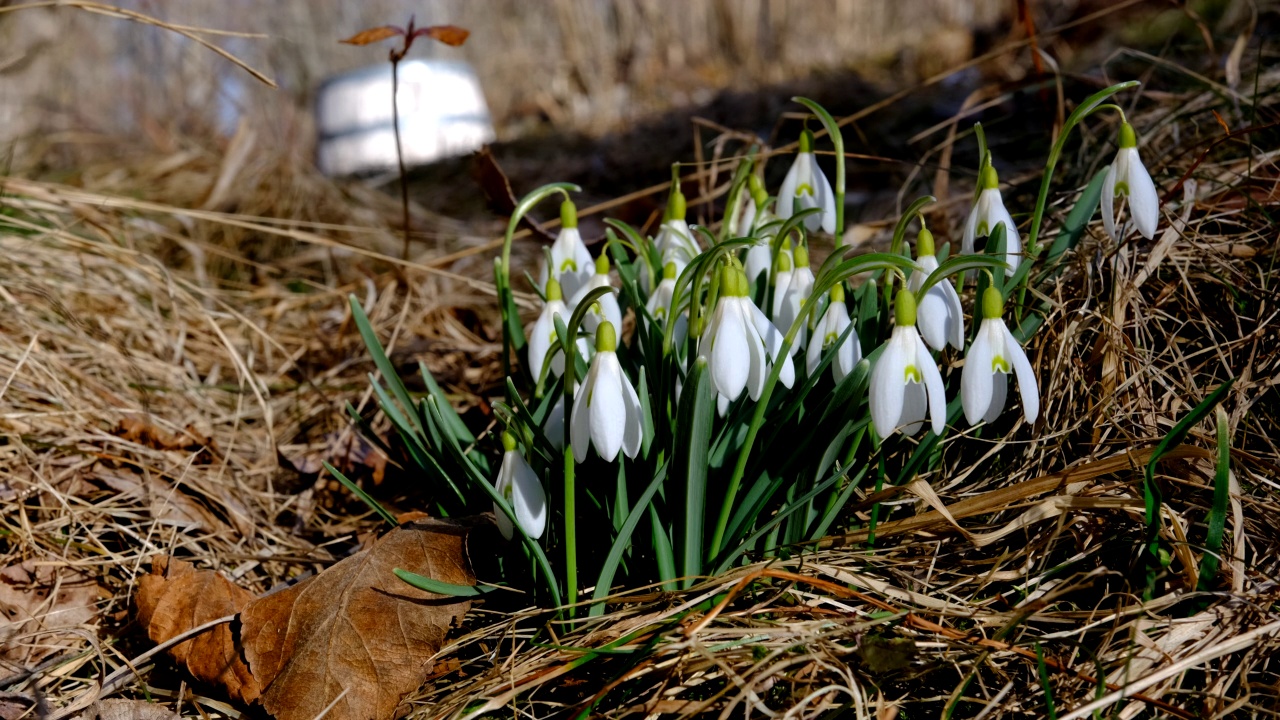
[365, 497]
[382, 362]
[1218, 513]
[623, 540]
[689, 460]
[438, 587]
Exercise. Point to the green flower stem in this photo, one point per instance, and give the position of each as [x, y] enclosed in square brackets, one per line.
[837, 140]
[826, 279]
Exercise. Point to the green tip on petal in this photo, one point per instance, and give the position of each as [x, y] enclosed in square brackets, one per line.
[904, 308]
[1128, 138]
[782, 263]
[606, 337]
[924, 243]
[568, 214]
[553, 290]
[837, 293]
[992, 303]
[802, 256]
[508, 441]
[806, 141]
[669, 271]
[602, 264]
[988, 178]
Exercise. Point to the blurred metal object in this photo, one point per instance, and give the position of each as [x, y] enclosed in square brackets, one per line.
[442, 114]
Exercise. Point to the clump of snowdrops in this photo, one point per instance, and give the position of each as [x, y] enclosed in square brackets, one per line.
[686, 402]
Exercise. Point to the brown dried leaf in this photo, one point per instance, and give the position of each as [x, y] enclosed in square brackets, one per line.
[451, 35]
[175, 598]
[14, 706]
[373, 35]
[356, 630]
[40, 603]
[123, 709]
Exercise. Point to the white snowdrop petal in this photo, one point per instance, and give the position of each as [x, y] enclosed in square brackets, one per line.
[970, 230]
[633, 430]
[607, 409]
[528, 498]
[931, 318]
[580, 420]
[955, 314]
[933, 387]
[730, 351]
[813, 355]
[540, 341]
[787, 193]
[975, 379]
[1108, 201]
[1027, 386]
[914, 407]
[758, 364]
[757, 261]
[722, 404]
[999, 391]
[888, 384]
[553, 427]
[826, 199]
[1144, 202]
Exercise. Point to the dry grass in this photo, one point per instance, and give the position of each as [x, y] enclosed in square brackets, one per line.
[159, 360]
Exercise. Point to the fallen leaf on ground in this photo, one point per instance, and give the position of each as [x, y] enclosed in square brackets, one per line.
[175, 598]
[124, 709]
[39, 604]
[356, 630]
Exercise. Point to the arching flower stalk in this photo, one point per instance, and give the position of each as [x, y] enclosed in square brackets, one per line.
[905, 383]
[606, 410]
[988, 212]
[827, 333]
[520, 487]
[806, 187]
[940, 316]
[1128, 177]
[995, 354]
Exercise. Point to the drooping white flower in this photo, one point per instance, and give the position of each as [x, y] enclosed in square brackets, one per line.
[789, 299]
[760, 255]
[740, 342]
[674, 241]
[1127, 176]
[569, 255]
[660, 302]
[995, 353]
[604, 307]
[520, 487]
[988, 212]
[543, 333]
[606, 410]
[827, 333]
[905, 382]
[806, 187]
[939, 316]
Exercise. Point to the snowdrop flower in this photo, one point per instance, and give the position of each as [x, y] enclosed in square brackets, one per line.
[1129, 177]
[605, 307]
[905, 382]
[986, 214]
[569, 254]
[520, 487]
[827, 333]
[789, 299]
[740, 342]
[674, 241]
[553, 426]
[606, 410]
[543, 333]
[994, 354]
[806, 187]
[660, 301]
[940, 316]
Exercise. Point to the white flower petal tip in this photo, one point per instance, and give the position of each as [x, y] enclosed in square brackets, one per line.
[606, 410]
[519, 485]
[940, 316]
[984, 382]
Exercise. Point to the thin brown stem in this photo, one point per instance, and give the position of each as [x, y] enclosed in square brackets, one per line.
[404, 179]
